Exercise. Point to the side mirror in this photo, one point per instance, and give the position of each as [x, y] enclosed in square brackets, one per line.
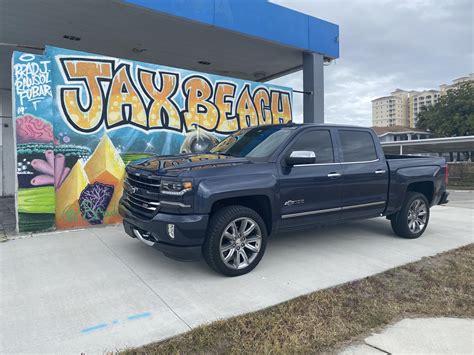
[300, 157]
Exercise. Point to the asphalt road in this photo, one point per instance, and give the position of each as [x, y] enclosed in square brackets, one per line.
[97, 289]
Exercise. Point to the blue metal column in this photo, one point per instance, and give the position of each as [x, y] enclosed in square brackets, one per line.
[313, 86]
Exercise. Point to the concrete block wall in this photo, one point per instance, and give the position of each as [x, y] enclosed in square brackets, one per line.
[461, 174]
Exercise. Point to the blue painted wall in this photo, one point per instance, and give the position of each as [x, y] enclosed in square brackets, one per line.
[257, 18]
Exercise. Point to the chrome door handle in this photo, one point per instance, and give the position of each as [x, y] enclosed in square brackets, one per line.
[334, 175]
[380, 171]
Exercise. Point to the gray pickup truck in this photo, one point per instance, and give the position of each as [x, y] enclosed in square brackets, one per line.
[224, 204]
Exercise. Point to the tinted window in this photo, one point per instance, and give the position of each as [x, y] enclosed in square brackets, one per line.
[357, 146]
[318, 142]
[260, 142]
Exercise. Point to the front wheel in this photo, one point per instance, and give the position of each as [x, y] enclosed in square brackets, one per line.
[411, 221]
[236, 240]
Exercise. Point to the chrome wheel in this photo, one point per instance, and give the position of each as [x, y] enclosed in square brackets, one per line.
[240, 243]
[417, 216]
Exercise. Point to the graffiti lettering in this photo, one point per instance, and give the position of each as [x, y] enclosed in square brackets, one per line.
[262, 104]
[199, 110]
[162, 110]
[246, 109]
[32, 81]
[227, 123]
[86, 117]
[98, 93]
[125, 103]
[281, 106]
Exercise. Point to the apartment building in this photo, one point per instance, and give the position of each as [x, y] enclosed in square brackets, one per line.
[391, 110]
[420, 99]
[444, 88]
[402, 107]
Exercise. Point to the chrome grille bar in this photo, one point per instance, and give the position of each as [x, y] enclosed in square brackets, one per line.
[141, 182]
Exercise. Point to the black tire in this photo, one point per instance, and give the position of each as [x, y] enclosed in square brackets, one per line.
[218, 224]
[400, 221]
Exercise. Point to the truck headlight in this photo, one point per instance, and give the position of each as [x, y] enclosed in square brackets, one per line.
[175, 187]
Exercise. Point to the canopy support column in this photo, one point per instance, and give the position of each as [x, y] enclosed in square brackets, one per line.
[313, 86]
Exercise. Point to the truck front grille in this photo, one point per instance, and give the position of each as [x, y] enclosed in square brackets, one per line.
[143, 182]
[142, 194]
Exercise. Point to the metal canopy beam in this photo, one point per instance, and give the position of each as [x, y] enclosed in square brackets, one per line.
[432, 145]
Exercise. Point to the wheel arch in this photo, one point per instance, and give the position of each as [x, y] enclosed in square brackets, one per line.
[259, 203]
[424, 187]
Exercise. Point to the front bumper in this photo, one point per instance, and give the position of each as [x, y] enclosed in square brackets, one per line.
[189, 233]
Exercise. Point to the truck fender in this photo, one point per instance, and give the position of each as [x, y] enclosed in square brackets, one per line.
[403, 177]
[216, 189]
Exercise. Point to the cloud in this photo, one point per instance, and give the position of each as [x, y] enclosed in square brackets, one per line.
[388, 44]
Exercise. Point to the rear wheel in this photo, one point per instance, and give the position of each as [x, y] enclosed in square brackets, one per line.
[411, 221]
[236, 240]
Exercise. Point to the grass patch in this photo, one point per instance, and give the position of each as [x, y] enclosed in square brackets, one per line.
[442, 285]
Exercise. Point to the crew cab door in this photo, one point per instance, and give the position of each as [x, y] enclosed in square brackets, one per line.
[365, 182]
[310, 193]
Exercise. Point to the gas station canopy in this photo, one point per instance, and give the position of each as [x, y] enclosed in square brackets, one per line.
[248, 39]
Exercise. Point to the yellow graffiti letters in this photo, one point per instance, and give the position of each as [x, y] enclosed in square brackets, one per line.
[162, 110]
[124, 102]
[281, 107]
[223, 100]
[84, 117]
[262, 104]
[107, 92]
[199, 110]
[246, 109]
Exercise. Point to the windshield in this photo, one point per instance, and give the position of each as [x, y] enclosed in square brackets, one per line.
[256, 143]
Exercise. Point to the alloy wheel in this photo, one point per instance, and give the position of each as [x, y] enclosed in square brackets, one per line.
[417, 215]
[240, 243]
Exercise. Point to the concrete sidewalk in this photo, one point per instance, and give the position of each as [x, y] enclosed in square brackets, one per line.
[97, 289]
[420, 336]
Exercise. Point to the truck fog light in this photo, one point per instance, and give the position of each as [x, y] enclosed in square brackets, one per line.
[170, 228]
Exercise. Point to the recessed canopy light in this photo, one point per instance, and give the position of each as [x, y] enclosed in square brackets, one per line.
[72, 38]
[203, 62]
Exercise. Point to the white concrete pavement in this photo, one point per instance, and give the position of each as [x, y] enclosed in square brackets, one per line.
[97, 289]
[420, 336]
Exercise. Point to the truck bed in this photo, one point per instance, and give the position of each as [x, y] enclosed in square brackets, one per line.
[396, 162]
[406, 169]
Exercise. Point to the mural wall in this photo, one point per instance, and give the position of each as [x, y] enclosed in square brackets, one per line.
[80, 118]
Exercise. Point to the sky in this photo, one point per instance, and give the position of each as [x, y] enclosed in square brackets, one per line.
[385, 45]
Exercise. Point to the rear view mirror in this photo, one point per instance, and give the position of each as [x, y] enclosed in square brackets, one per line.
[300, 157]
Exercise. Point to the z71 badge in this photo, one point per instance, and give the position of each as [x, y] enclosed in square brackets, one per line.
[294, 202]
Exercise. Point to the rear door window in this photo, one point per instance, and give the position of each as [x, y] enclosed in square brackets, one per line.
[357, 146]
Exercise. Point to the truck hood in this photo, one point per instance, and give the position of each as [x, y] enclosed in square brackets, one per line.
[175, 164]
